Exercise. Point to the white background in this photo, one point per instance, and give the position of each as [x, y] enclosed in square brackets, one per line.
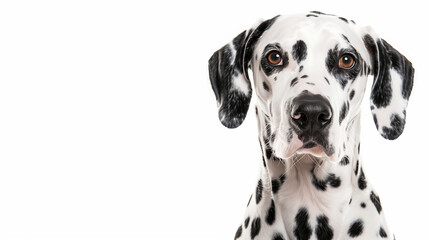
[109, 129]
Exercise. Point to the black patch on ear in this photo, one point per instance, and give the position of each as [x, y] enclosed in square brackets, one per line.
[397, 127]
[233, 104]
[381, 93]
[403, 66]
[302, 228]
[343, 75]
[299, 51]
[223, 67]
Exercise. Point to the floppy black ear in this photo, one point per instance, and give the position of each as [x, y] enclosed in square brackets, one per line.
[229, 78]
[391, 89]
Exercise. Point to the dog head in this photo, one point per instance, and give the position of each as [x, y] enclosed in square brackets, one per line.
[309, 76]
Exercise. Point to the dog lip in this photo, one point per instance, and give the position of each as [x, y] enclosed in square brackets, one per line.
[313, 146]
[309, 144]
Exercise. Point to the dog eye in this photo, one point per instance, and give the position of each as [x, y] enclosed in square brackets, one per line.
[347, 61]
[275, 58]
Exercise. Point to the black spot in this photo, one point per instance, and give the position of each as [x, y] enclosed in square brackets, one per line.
[352, 94]
[357, 167]
[356, 228]
[323, 230]
[304, 76]
[321, 13]
[352, 21]
[362, 180]
[382, 232]
[300, 68]
[343, 112]
[344, 161]
[327, 81]
[299, 51]
[271, 214]
[375, 120]
[258, 194]
[255, 227]
[359, 148]
[397, 127]
[294, 82]
[343, 76]
[277, 236]
[275, 78]
[311, 15]
[289, 135]
[269, 68]
[302, 230]
[350, 201]
[282, 178]
[363, 205]
[319, 184]
[249, 199]
[238, 233]
[268, 152]
[334, 181]
[310, 83]
[275, 185]
[345, 38]
[265, 85]
[343, 19]
[376, 201]
[246, 222]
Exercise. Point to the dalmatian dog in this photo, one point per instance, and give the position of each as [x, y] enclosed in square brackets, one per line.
[309, 73]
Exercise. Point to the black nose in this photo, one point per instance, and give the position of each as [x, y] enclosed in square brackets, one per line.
[310, 113]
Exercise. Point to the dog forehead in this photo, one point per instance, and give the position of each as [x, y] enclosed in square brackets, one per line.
[322, 32]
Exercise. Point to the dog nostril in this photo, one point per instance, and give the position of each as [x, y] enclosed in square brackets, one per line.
[300, 118]
[324, 117]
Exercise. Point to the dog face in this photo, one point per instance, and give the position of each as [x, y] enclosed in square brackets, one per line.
[309, 75]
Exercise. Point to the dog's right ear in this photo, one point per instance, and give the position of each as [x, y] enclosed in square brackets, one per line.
[229, 77]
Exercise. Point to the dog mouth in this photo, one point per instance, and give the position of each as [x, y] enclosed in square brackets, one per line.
[311, 147]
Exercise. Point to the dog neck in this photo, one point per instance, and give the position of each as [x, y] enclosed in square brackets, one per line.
[319, 185]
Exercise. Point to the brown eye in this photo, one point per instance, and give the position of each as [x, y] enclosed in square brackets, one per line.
[275, 58]
[347, 61]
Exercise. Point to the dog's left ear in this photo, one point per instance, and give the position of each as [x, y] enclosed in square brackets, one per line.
[391, 89]
[229, 77]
